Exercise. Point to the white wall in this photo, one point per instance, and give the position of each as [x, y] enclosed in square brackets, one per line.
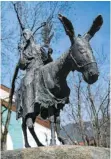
[5, 95]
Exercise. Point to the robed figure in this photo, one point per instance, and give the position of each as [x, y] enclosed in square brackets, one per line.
[32, 57]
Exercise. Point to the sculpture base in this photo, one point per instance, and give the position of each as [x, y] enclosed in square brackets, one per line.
[58, 152]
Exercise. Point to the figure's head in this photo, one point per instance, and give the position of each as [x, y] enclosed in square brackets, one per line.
[27, 34]
[82, 54]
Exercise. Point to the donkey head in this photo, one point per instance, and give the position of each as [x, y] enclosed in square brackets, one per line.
[81, 51]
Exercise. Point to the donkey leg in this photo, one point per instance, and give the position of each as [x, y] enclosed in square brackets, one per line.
[52, 125]
[58, 128]
[31, 129]
[24, 129]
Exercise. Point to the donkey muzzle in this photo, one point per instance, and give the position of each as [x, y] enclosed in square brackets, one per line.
[90, 75]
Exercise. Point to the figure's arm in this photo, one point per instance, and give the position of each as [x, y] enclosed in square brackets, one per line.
[22, 61]
[46, 55]
[50, 51]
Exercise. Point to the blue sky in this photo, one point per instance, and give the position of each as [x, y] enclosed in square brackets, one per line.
[85, 14]
[82, 15]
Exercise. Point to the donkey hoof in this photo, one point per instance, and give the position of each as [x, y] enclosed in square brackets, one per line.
[40, 144]
[63, 140]
[27, 145]
[52, 142]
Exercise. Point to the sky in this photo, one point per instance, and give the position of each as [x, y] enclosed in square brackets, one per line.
[82, 16]
[85, 14]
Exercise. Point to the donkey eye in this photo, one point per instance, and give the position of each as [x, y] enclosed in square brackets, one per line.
[81, 50]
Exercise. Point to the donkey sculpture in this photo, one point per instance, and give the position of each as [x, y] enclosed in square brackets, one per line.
[51, 89]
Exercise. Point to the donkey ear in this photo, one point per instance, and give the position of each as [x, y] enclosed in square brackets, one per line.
[67, 26]
[97, 23]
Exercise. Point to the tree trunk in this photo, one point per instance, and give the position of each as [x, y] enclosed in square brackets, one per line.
[5, 132]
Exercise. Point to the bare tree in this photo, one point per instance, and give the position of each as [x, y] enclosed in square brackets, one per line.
[90, 103]
[100, 115]
[30, 14]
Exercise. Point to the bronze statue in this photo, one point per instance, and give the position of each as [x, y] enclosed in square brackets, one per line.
[44, 88]
[32, 56]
